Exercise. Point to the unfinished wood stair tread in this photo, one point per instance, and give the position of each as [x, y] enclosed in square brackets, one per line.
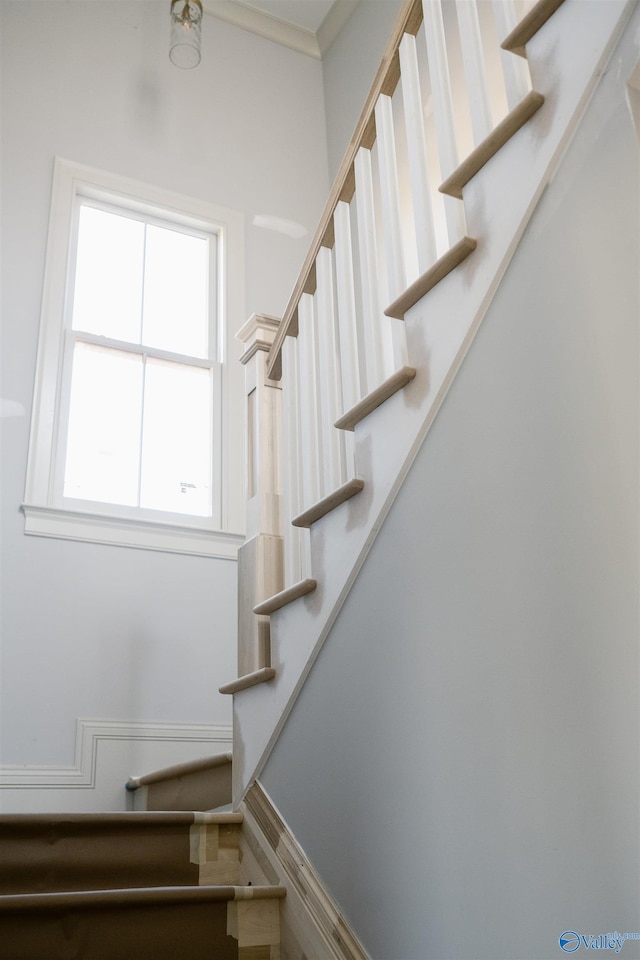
[201, 784]
[288, 595]
[248, 680]
[179, 770]
[437, 272]
[490, 145]
[375, 398]
[329, 503]
[90, 899]
[517, 40]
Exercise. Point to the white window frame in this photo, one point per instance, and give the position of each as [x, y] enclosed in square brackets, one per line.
[47, 512]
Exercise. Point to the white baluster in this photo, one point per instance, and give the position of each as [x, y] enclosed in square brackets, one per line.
[515, 69]
[443, 110]
[417, 152]
[390, 196]
[293, 571]
[347, 317]
[310, 452]
[297, 541]
[474, 68]
[332, 446]
[367, 244]
[392, 334]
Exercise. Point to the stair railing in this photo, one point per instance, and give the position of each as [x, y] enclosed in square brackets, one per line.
[393, 227]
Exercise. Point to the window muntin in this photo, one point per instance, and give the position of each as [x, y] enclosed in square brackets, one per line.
[140, 371]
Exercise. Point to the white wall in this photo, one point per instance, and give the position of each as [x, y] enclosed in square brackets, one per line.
[462, 764]
[104, 632]
[349, 68]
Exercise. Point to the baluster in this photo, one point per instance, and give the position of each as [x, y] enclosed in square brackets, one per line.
[417, 151]
[443, 110]
[310, 453]
[294, 568]
[348, 323]
[474, 68]
[367, 243]
[392, 335]
[515, 70]
[332, 446]
[390, 196]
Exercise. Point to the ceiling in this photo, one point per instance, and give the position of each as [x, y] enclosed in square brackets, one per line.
[308, 26]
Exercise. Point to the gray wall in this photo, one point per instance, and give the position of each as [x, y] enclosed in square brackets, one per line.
[97, 631]
[462, 764]
[349, 68]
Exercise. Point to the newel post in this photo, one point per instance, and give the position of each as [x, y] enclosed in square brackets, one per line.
[260, 559]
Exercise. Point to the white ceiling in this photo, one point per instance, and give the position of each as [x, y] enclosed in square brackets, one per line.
[308, 26]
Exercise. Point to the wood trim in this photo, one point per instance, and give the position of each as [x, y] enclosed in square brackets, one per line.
[443, 266]
[299, 589]
[179, 770]
[329, 503]
[249, 680]
[324, 924]
[368, 404]
[529, 25]
[408, 21]
[490, 145]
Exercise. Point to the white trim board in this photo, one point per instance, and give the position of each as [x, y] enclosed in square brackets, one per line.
[45, 521]
[90, 733]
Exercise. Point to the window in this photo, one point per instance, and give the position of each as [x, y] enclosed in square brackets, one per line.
[135, 433]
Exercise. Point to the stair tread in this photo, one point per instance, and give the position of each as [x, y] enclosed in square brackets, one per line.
[320, 509]
[498, 137]
[133, 818]
[79, 899]
[179, 770]
[288, 595]
[248, 680]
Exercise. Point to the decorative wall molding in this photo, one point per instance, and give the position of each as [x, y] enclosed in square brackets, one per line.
[89, 734]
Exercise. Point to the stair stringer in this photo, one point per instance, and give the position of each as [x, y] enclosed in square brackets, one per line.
[566, 58]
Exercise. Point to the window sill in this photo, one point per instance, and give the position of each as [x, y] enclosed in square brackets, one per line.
[65, 524]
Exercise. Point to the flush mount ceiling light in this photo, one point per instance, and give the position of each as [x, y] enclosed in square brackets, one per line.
[186, 23]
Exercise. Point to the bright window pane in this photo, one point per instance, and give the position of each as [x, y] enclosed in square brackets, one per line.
[108, 284]
[175, 314]
[103, 442]
[177, 439]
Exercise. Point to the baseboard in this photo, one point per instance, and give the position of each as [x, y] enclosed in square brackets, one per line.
[312, 925]
[107, 753]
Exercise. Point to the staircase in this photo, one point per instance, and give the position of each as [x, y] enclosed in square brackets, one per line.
[145, 884]
[469, 116]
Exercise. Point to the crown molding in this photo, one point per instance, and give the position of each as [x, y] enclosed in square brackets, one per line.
[279, 31]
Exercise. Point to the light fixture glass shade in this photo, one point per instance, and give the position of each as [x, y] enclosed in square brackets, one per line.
[186, 23]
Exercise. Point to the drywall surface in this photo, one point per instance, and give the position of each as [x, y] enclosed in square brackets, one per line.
[462, 764]
[349, 68]
[91, 631]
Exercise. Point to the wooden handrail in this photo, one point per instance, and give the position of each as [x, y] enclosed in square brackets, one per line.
[385, 82]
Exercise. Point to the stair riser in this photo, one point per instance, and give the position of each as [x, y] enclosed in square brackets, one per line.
[75, 857]
[197, 931]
